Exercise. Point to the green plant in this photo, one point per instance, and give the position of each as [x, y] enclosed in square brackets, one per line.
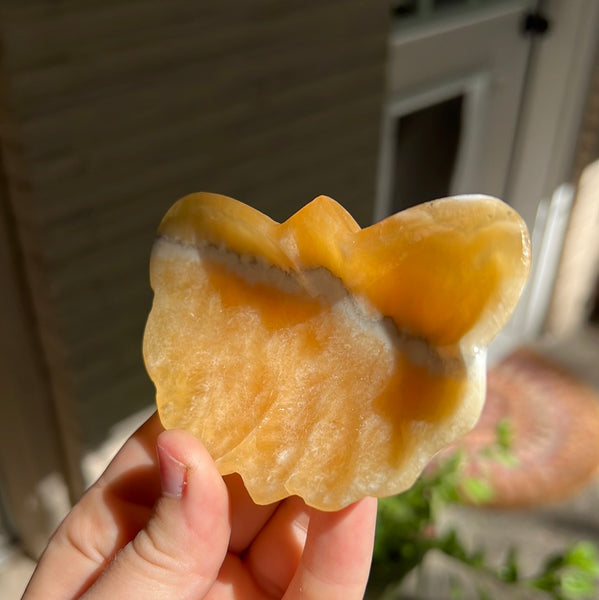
[407, 530]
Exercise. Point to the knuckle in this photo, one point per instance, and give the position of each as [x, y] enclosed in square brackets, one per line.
[88, 533]
[150, 549]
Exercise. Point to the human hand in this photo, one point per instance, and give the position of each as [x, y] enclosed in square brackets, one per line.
[162, 523]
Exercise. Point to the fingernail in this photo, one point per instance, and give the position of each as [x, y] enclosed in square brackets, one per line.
[173, 474]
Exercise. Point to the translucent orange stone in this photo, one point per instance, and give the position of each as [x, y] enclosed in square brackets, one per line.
[319, 359]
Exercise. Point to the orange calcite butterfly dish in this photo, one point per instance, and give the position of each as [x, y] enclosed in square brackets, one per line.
[319, 359]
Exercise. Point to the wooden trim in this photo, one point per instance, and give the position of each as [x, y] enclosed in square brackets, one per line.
[34, 486]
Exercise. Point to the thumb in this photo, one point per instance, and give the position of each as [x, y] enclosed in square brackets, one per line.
[179, 552]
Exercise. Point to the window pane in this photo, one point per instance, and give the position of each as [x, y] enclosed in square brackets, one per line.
[426, 146]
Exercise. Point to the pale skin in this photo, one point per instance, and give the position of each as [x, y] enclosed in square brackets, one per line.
[161, 522]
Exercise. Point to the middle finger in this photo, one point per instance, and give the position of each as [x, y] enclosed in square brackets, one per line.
[247, 518]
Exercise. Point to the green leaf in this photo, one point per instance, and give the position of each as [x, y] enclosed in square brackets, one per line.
[504, 434]
[571, 575]
[452, 545]
[585, 556]
[505, 457]
[483, 594]
[547, 582]
[577, 585]
[477, 490]
[510, 572]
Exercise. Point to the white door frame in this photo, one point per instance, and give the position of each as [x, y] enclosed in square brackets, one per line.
[552, 108]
